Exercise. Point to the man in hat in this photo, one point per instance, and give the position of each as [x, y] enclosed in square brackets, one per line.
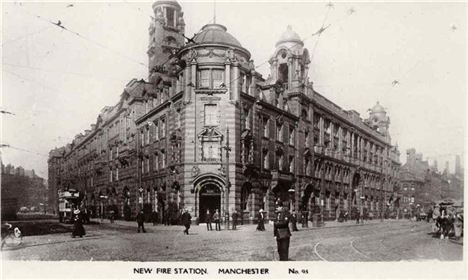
[78, 229]
[208, 220]
[186, 219]
[281, 232]
[261, 220]
[140, 218]
[216, 219]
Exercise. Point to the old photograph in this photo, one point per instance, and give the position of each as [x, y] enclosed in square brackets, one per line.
[223, 131]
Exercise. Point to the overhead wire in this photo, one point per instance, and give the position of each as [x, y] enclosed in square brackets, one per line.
[318, 32]
[27, 35]
[60, 71]
[22, 150]
[61, 26]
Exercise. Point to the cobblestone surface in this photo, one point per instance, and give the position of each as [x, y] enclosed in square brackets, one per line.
[375, 241]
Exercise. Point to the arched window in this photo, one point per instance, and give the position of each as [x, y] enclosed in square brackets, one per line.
[283, 73]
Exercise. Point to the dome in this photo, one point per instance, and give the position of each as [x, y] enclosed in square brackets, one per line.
[289, 36]
[216, 34]
[167, 2]
[378, 108]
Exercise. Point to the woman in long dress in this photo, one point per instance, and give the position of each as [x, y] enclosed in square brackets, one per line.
[78, 229]
[261, 220]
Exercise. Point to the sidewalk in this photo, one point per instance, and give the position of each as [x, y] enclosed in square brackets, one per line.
[249, 227]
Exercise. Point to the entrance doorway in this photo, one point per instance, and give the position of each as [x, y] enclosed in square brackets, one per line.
[210, 199]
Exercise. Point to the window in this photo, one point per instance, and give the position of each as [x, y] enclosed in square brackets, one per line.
[218, 78]
[279, 131]
[163, 162]
[211, 78]
[163, 128]
[291, 164]
[147, 137]
[246, 121]
[211, 150]
[117, 174]
[142, 138]
[204, 81]
[117, 152]
[280, 162]
[266, 127]
[147, 165]
[110, 154]
[156, 162]
[211, 114]
[170, 16]
[156, 131]
[266, 161]
[110, 175]
[306, 140]
[178, 117]
[292, 136]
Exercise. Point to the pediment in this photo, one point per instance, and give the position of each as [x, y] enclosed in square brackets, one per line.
[210, 133]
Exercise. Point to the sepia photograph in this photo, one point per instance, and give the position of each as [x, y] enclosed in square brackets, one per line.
[233, 132]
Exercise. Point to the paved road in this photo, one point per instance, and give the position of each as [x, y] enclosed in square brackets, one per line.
[387, 241]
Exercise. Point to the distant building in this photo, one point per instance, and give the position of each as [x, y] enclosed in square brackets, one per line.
[165, 145]
[423, 185]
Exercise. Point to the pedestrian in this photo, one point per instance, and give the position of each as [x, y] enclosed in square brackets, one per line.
[186, 220]
[293, 221]
[304, 218]
[111, 216]
[78, 229]
[235, 216]
[216, 219]
[260, 220]
[208, 220]
[346, 214]
[140, 218]
[281, 232]
[154, 217]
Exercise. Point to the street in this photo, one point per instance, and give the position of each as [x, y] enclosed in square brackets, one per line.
[374, 241]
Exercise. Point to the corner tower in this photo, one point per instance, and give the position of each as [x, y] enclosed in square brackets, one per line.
[165, 33]
[290, 62]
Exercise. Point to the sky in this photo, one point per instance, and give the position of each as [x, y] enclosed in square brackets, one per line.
[56, 82]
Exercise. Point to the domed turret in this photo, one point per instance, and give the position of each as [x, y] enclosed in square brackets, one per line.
[378, 108]
[289, 37]
[378, 118]
[216, 34]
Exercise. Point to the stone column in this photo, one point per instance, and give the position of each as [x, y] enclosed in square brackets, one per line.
[186, 87]
[227, 76]
[235, 79]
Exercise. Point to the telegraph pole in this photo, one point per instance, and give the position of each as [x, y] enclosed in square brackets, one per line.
[227, 148]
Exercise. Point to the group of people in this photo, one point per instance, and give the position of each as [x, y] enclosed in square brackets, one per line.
[213, 218]
[445, 221]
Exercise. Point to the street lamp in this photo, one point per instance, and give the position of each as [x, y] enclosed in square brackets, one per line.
[227, 148]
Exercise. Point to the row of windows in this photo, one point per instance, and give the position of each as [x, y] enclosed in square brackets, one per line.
[153, 132]
[280, 135]
[159, 162]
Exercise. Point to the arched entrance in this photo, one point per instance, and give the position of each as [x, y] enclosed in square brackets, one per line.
[209, 199]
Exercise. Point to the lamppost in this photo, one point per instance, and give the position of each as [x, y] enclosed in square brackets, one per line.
[227, 148]
[140, 198]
